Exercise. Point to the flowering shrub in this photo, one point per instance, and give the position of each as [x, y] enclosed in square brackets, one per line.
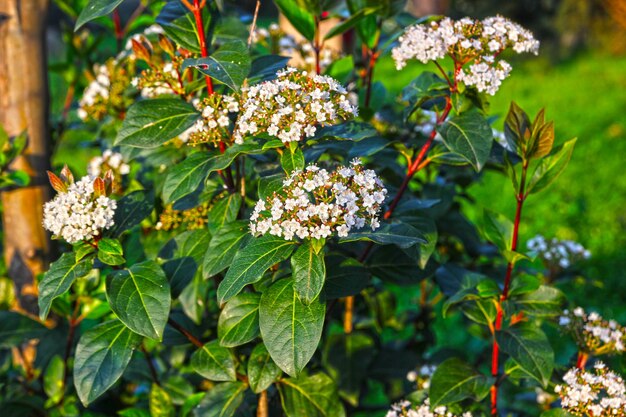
[288, 242]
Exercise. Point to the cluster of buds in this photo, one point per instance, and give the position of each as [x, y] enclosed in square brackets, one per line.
[592, 333]
[315, 203]
[164, 75]
[105, 93]
[558, 254]
[302, 53]
[81, 210]
[214, 126]
[406, 409]
[474, 46]
[421, 377]
[190, 219]
[600, 393]
[109, 161]
[291, 106]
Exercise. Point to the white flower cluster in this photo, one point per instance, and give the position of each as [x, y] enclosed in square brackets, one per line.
[593, 333]
[291, 106]
[555, 252]
[422, 376]
[405, 409]
[473, 44]
[165, 82]
[215, 122]
[601, 393]
[78, 214]
[109, 160]
[315, 203]
[96, 91]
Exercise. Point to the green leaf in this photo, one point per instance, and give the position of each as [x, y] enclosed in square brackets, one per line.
[529, 347]
[400, 234]
[222, 400]
[556, 412]
[351, 130]
[350, 22]
[498, 229]
[310, 396]
[516, 126]
[151, 123]
[393, 265]
[239, 320]
[110, 251]
[262, 371]
[53, 384]
[344, 277]
[160, 402]
[290, 329]
[265, 67]
[546, 301]
[299, 17]
[58, 279]
[551, 167]
[224, 211]
[292, 160]
[524, 284]
[102, 354]
[16, 328]
[347, 358]
[309, 271]
[223, 248]
[140, 297]
[251, 263]
[469, 136]
[193, 298]
[214, 362]
[131, 210]
[95, 9]
[270, 184]
[454, 380]
[179, 273]
[229, 65]
[425, 87]
[185, 177]
[179, 24]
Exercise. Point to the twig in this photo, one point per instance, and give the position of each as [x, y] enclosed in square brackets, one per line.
[195, 341]
[253, 27]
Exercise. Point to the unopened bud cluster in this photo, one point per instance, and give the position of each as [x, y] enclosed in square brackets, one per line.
[600, 393]
[592, 333]
[81, 210]
[405, 409]
[190, 219]
[105, 93]
[474, 45]
[558, 253]
[214, 126]
[291, 106]
[315, 203]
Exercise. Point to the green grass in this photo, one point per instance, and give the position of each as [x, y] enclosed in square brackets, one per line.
[586, 98]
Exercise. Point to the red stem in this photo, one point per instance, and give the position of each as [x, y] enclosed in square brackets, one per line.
[317, 46]
[119, 32]
[197, 14]
[495, 355]
[582, 360]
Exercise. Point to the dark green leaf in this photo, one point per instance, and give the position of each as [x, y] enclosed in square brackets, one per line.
[185, 177]
[545, 301]
[551, 167]
[270, 184]
[498, 229]
[310, 396]
[214, 362]
[229, 65]
[101, 356]
[140, 297]
[265, 67]
[193, 298]
[110, 251]
[131, 210]
[58, 279]
[222, 400]
[95, 9]
[425, 87]
[262, 371]
[223, 248]
[15, 328]
[150, 123]
[224, 211]
[391, 264]
[529, 347]
[309, 271]
[400, 234]
[469, 136]
[350, 130]
[344, 277]
[454, 380]
[239, 320]
[290, 329]
[179, 273]
[251, 263]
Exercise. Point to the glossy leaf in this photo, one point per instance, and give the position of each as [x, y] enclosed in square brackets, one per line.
[185, 177]
[251, 263]
[469, 136]
[179, 273]
[224, 211]
[454, 380]
[265, 67]
[299, 17]
[498, 229]
[311, 396]
[131, 210]
[58, 279]
[102, 354]
[262, 371]
[400, 234]
[309, 271]
[151, 123]
[140, 297]
[16, 328]
[292, 160]
[222, 400]
[95, 9]
[214, 362]
[223, 247]
[229, 65]
[239, 320]
[110, 252]
[290, 329]
[546, 301]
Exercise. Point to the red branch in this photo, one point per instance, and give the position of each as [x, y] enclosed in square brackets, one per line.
[197, 14]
